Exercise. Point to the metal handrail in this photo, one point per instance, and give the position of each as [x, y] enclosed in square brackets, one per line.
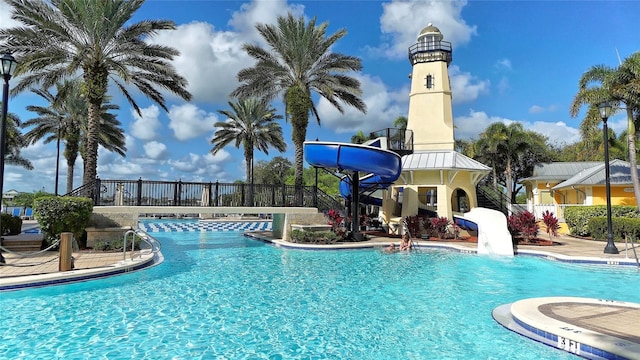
[154, 245]
[209, 194]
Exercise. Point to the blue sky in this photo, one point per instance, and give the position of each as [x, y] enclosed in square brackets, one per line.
[512, 61]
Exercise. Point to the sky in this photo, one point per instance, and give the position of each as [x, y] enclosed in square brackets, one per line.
[512, 61]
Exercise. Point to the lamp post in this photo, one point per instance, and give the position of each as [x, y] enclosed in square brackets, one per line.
[7, 65]
[606, 109]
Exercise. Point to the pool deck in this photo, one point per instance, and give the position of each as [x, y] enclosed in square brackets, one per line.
[590, 328]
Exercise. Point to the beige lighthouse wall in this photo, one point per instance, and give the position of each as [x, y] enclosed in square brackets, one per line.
[430, 114]
[445, 182]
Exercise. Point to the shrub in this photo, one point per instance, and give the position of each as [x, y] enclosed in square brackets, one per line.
[413, 225]
[323, 237]
[551, 222]
[337, 223]
[523, 224]
[440, 225]
[57, 214]
[577, 217]
[620, 227]
[116, 244]
[11, 225]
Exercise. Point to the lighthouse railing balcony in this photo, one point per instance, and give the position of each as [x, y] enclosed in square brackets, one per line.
[428, 51]
[398, 140]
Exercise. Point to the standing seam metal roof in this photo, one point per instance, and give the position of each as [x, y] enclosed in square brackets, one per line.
[441, 159]
[619, 171]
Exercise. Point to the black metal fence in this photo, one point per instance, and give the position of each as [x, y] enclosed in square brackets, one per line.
[182, 193]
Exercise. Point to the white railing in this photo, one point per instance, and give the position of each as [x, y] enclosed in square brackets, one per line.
[556, 209]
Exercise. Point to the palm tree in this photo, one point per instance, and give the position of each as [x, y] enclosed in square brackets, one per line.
[251, 123]
[65, 119]
[502, 144]
[602, 83]
[97, 39]
[298, 63]
[54, 122]
[359, 138]
[15, 141]
[400, 123]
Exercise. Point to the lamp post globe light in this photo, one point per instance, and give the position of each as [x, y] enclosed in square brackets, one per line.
[7, 65]
[606, 110]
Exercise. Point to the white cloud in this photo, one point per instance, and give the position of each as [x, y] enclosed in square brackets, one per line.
[155, 150]
[209, 59]
[383, 107]
[263, 12]
[188, 121]
[503, 64]
[537, 109]
[207, 165]
[5, 17]
[145, 127]
[470, 127]
[402, 21]
[465, 87]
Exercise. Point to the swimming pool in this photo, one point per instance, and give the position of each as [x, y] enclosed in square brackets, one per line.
[219, 295]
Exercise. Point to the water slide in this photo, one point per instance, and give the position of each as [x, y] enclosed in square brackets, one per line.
[493, 235]
[381, 167]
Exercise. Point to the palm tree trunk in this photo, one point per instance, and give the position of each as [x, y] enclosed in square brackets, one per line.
[631, 138]
[508, 180]
[57, 163]
[298, 104]
[248, 158]
[91, 159]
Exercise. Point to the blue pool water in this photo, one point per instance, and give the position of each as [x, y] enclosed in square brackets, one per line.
[219, 295]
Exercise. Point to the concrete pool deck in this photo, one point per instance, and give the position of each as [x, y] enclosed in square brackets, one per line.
[591, 328]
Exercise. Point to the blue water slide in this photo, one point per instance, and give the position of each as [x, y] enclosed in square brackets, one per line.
[382, 167]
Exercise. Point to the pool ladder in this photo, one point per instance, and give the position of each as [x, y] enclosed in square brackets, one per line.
[154, 245]
[633, 247]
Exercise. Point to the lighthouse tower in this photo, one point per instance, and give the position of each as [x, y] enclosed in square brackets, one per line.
[430, 115]
[435, 180]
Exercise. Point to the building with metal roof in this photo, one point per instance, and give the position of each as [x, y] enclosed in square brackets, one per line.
[554, 186]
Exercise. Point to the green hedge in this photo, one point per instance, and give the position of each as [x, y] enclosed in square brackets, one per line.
[619, 227]
[11, 225]
[577, 217]
[58, 214]
[322, 237]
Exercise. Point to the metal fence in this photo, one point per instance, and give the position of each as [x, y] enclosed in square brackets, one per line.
[182, 193]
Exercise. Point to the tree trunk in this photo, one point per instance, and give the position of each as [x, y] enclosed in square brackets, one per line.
[71, 163]
[248, 158]
[631, 138]
[508, 179]
[298, 105]
[91, 160]
[71, 149]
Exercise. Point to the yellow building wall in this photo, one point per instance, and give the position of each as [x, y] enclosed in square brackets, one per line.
[430, 113]
[618, 196]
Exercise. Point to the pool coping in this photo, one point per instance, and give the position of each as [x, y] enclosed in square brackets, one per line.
[145, 260]
[525, 318]
[592, 260]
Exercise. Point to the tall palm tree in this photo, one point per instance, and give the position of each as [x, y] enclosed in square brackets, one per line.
[622, 86]
[54, 122]
[297, 64]
[503, 144]
[97, 39]
[65, 119]
[251, 123]
[15, 141]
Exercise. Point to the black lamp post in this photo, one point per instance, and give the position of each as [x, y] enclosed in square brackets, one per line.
[7, 65]
[606, 109]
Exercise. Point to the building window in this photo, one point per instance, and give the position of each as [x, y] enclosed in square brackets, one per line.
[428, 81]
